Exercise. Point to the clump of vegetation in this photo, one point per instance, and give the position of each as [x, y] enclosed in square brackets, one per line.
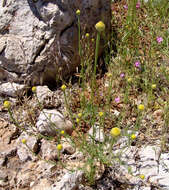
[134, 93]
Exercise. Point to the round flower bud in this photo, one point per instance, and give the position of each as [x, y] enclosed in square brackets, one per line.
[87, 35]
[115, 132]
[142, 176]
[153, 86]
[77, 120]
[100, 26]
[133, 136]
[79, 115]
[141, 107]
[24, 141]
[100, 114]
[129, 80]
[7, 104]
[59, 147]
[63, 87]
[78, 12]
[34, 89]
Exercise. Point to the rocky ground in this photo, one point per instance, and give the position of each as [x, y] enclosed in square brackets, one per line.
[35, 165]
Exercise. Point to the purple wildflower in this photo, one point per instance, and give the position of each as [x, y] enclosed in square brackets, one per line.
[122, 75]
[117, 99]
[137, 64]
[125, 7]
[159, 39]
[138, 5]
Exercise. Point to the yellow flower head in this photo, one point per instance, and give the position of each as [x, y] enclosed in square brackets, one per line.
[129, 80]
[153, 86]
[92, 39]
[77, 120]
[115, 132]
[24, 141]
[63, 87]
[141, 107]
[133, 136]
[101, 114]
[62, 132]
[79, 115]
[34, 89]
[7, 104]
[142, 176]
[59, 147]
[78, 12]
[87, 35]
[100, 26]
[109, 75]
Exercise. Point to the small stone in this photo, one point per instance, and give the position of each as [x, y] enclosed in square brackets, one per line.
[43, 184]
[11, 89]
[47, 97]
[2, 161]
[116, 113]
[50, 121]
[70, 181]
[48, 150]
[97, 133]
[3, 176]
[23, 151]
[68, 148]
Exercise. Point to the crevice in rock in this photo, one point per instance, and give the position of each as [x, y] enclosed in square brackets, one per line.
[69, 26]
[39, 51]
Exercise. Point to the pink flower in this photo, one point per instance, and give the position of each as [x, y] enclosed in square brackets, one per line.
[125, 7]
[137, 64]
[117, 100]
[138, 5]
[159, 39]
[122, 75]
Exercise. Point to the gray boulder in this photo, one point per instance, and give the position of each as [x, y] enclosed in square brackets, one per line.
[39, 39]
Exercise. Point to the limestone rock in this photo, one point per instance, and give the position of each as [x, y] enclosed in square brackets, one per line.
[39, 39]
[70, 181]
[48, 150]
[42, 185]
[46, 97]
[24, 152]
[50, 122]
[97, 133]
[11, 89]
[68, 148]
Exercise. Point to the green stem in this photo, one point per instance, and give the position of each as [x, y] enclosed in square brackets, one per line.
[80, 49]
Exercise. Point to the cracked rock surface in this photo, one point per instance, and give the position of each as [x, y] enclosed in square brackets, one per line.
[39, 39]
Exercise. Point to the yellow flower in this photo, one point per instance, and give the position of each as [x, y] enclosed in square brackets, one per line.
[87, 35]
[62, 132]
[24, 141]
[7, 104]
[153, 86]
[34, 89]
[100, 26]
[92, 39]
[79, 115]
[63, 87]
[59, 147]
[100, 114]
[141, 107]
[78, 12]
[129, 80]
[115, 132]
[142, 176]
[77, 120]
[109, 75]
[133, 136]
